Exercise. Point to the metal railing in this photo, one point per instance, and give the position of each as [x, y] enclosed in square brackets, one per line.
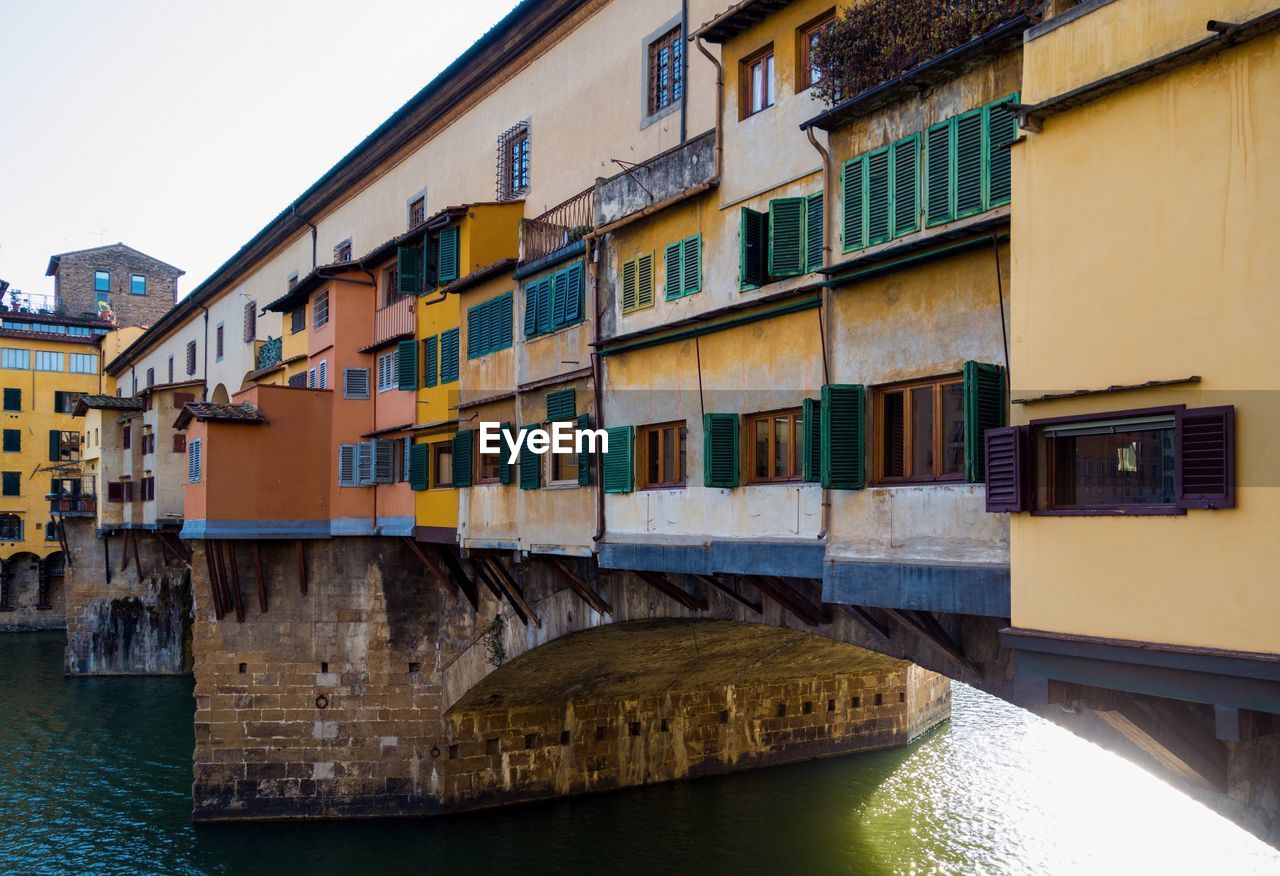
[394, 320]
[269, 354]
[75, 496]
[563, 224]
[17, 301]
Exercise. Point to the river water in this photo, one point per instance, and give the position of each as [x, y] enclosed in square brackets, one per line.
[95, 776]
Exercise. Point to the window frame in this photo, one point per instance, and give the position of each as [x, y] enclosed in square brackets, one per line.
[746, 91]
[514, 173]
[437, 449]
[671, 38]
[641, 474]
[104, 277]
[343, 251]
[551, 458]
[804, 39]
[875, 420]
[796, 417]
[134, 285]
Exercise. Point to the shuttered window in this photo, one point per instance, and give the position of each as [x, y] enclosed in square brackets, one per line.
[881, 194]
[637, 283]
[449, 355]
[195, 460]
[12, 399]
[250, 321]
[811, 451]
[784, 242]
[843, 426]
[384, 461]
[530, 465]
[813, 214]
[347, 465]
[430, 361]
[191, 358]
[1205, 442]
[12, 483]
[617, 474]
[489, 326]
[322, 374]
[407, 365]
[12, 440]
[967, 162]
[753, 249]
[720, 450]
[388, 371]
[983, 409]
[683, 261]
[584, 458]
[364, 464]
[418, 475]
[320, 310]
[504, 465]
[355, 383]
[561, 406]
[786, 237]
[449, 254]
[462, 457]
[408, 270]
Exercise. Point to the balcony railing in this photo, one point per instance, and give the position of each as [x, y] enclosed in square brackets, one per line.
[555, 229]
[394, 320]
[269, 354]
[75, 497]
[880, 40]
[17, 301]
[662, 177]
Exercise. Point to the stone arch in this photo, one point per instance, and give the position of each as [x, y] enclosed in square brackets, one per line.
[220, 394]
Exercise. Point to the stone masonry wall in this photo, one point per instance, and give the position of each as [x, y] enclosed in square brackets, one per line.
[75, 288]
[25, 611]
[129, 625]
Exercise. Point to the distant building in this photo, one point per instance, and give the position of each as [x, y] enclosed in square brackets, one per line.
[116, 282]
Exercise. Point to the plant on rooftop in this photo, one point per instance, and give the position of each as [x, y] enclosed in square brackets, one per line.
[872, 42]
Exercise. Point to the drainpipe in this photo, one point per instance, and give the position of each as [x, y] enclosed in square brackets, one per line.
[205, 366]
[825, 309]
[684, 77]
[314, 230]
[719, 106]
[597, 368]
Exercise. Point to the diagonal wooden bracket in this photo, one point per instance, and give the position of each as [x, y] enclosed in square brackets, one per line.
[731, 592]
[927, 626]
[453, 571]
[580, 586]
[433, 566]
[782, 593]
[664, 585]
[868, 621]
[508, 588]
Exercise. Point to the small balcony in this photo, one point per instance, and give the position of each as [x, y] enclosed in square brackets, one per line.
[563, 224]
[74, 497]
[269, 354]
[662, 177]
[16, 301]
[394, 320]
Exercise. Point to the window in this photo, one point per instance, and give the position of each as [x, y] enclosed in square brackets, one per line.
[807, 74]
[355, 383]
[195, 459]
[137, 284]
[12, 440]
[191, 358]
[388, 371]
[1106, 464]
[11, 483]
[342, 252]
[13, 399]
[661, 455]
[449, 355]
[101, 281]
[786, 241]
[881, 191]
[967, 164]
[683, 261]
[10, 525]
[554, 301]
[292, 280]
[218, 343]
[250, 321]
[920, 436]
[65, 402]
[513, 162]
[298, 320]
[489, 326]
[14, 358]
[320, 310]
[390, 286]
[562, 468]
[171, 369]
[417, 211]
[299, 380]
[637, 283]
[492, 465]
[311, 378]
[777, 442]
[442, 464]
[151, 377]
[126, 436]
[757, 82]
[47, 361]
[666, 71]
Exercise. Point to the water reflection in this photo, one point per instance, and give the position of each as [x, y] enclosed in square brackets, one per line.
[95, 775]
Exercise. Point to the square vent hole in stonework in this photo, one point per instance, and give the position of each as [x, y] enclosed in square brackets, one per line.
[724, 716]
[662, 725]
[634, 728]
[324, 667]
[491, 746]
[879, 699]
[599, 732]
[244, 667]
[902, 696]
[415, 667]
[453, 751]
[856, 702]
[530, 740]
[782, 710]
[806, 707]
[831, 705]
[564, 737]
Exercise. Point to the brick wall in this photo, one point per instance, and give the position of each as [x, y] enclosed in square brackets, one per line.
[26, 611]
[74, 284]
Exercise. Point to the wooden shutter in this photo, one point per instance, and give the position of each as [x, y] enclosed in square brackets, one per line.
[1007, 453]
[449, 356]
[691, 264]
[115, 492]
[786, 237]
[630, 290]
[720, 450]
[1001, 129]
[462, 457]
[1204, 441]
[937, 173]
[179, 443]
[530, 466]
[408, 270]
[476, 329]
[355, 383]
[675, 270]
[544, 305]
[364, 464]
[418, 467]
[250, 325]
[753, 249]
[55, 445]
[449, 255]
[843, 436]
[430, 263]
[813, 254]
[644, 280]
[811, 461]
[573, 293]
[983, 410]
[616, 476]
[561, 406]
[195, 461]
[12, 441]
[59, 401]
[853, 181]
[559, 297]
[430, 361]
[906, 185]
[407, 364]
[501, 322]
[879, 189]
[530, 310]
[346, 465]
[584, 458]
[968, 164]
[384, 461]
[504, 467]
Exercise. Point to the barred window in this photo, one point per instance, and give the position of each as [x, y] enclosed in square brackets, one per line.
[513, 162]
[342, 252]
[666, 70]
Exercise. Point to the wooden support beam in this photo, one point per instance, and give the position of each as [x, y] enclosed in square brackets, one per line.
[1174, 737]
[783, 594]
[453, 564]
[868, 621]
[106, 554]
[124, 552]
[257, 572]
[137, 563]
[169, 550]
[581, 586]
[234, 568]
[511, 589]
[664, 585]
[731, 592]
[432, 565]
[302, 567]
[214, 585]
[928, 627]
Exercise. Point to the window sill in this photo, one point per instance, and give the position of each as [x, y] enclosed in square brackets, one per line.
[794, 482]
[562, 485]
[1120, 511]
[658, 488]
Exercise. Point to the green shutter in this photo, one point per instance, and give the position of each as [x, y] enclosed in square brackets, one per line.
[418, 467]
[879, 227]
[630, 290]
[720, 450]
[55, 445]
[691, 256]
[937, 173]
[559, 298]
[753, 249]
[675, 270]
[906, 185]
[842, 434]
[12, 440]
[786, 237]
[449, 355]
[58, 398]
[983, 410]
[545, 323]
[1002, 130]
[408, 270]
[477, 326]
[530, 310]
[430, 263]
[853, 180]
[811, 461]
[617, 474]
[573, 293]
[448, 257]
[584, 458]
[813, 255]
[13, 399]
[430, 361]
[561, 406]
[967, 170]
[530, 466]
[407, 364]
[504, 467]
[462, 457]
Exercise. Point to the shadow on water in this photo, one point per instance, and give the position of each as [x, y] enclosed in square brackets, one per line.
[95, 775]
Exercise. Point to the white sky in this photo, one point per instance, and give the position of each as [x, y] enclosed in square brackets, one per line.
[182, 127]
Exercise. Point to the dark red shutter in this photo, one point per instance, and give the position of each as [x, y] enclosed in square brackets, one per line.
[179, 443]
[115, 491]
[1205, 442]
[180, 399]
[1007, 454]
